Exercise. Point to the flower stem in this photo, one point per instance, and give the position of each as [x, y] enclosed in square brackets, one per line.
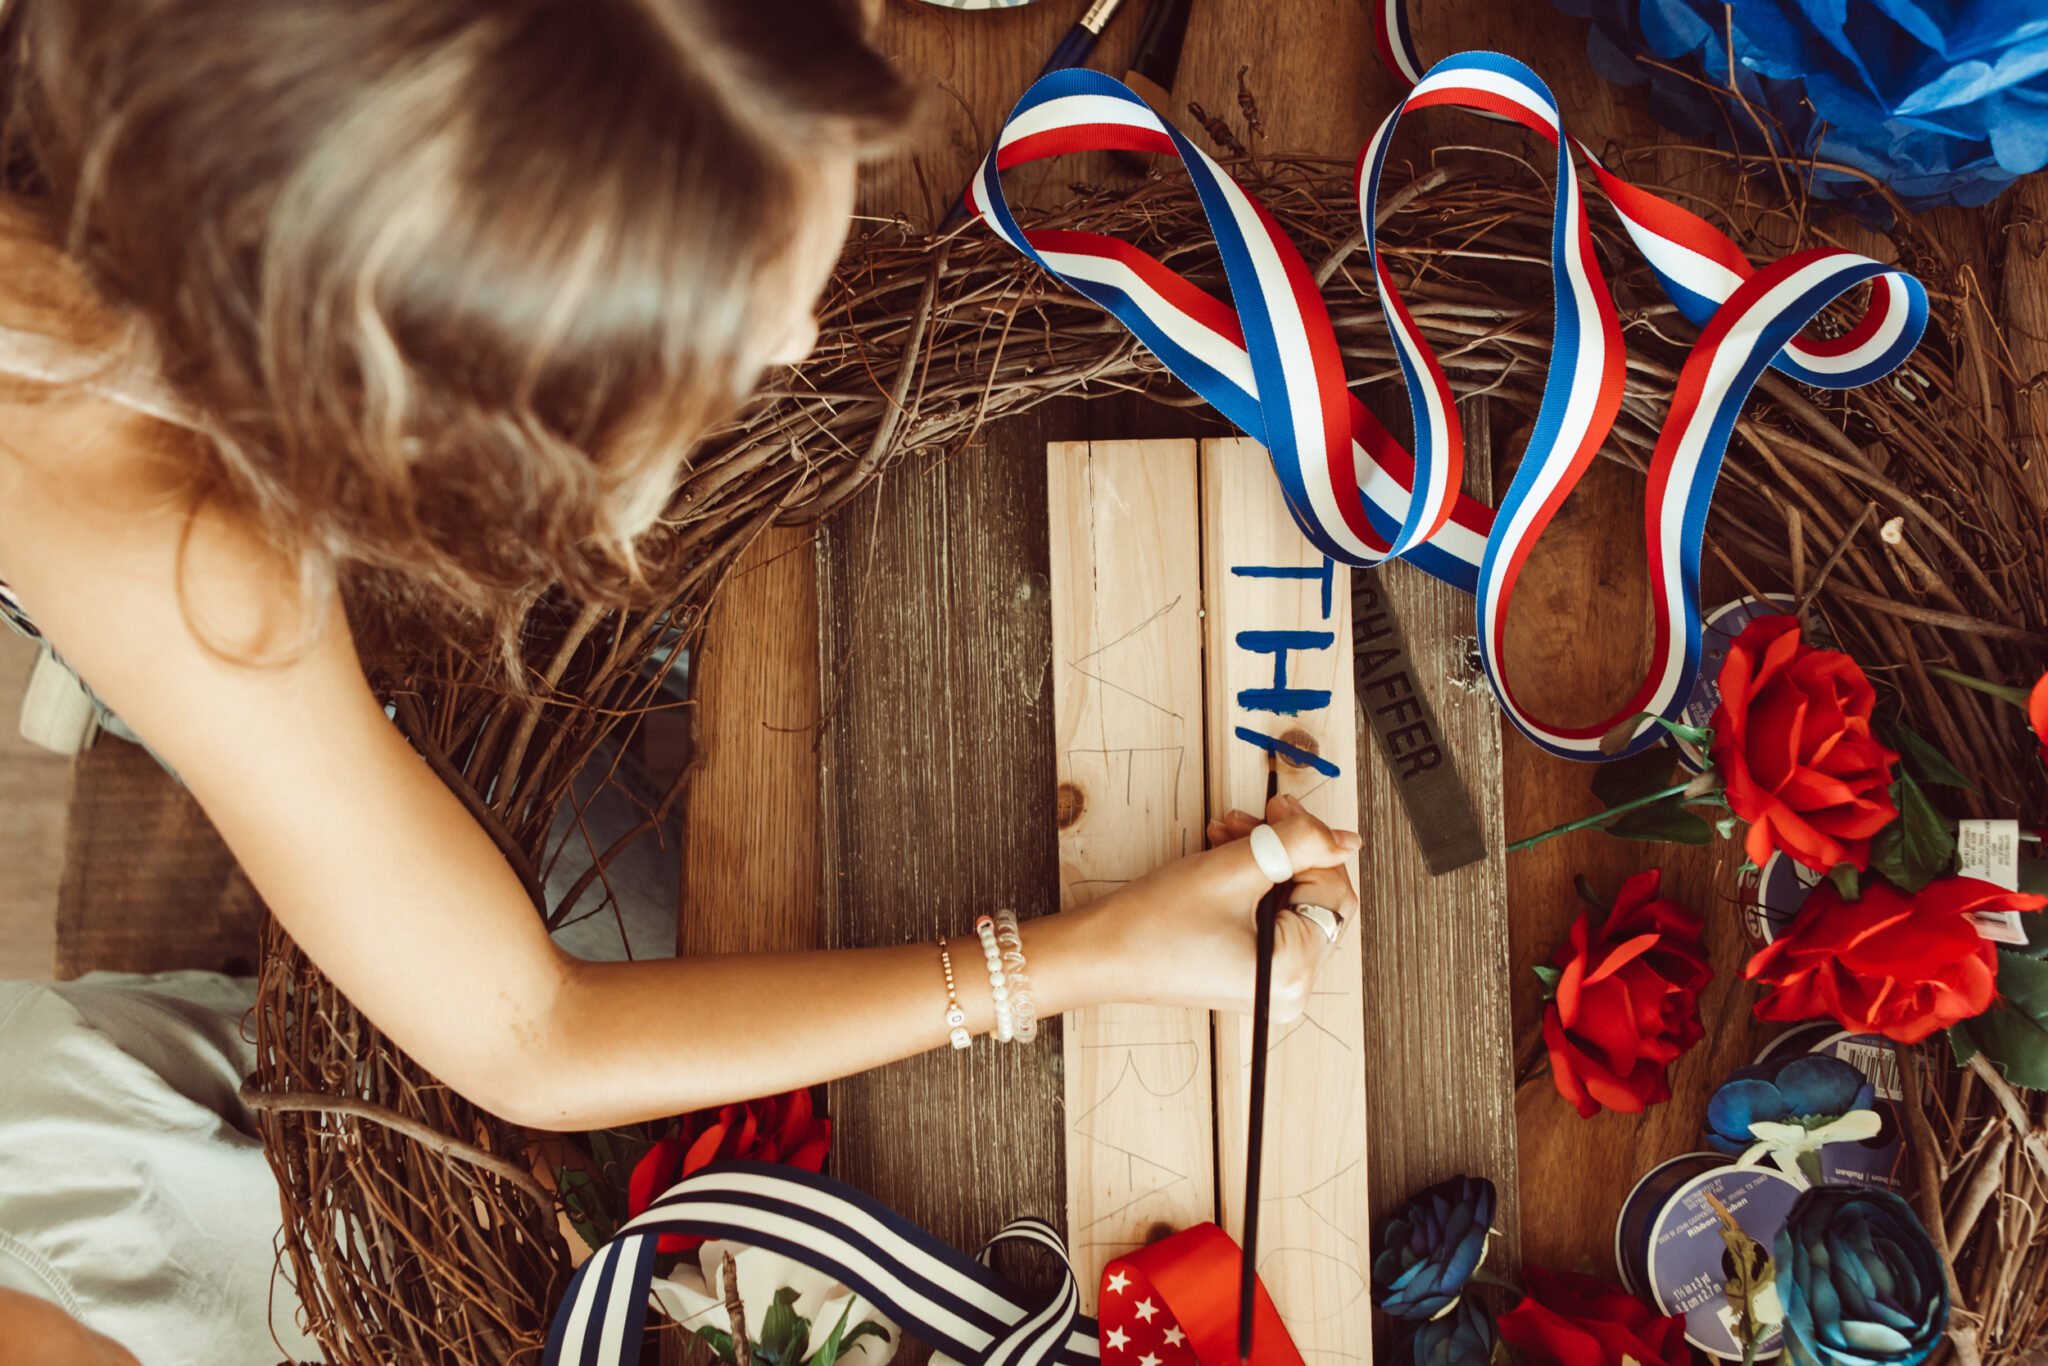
[1601, 817]
[2016, 696]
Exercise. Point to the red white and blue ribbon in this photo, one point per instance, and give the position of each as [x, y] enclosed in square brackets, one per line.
[1269, 359]
[951, 1301]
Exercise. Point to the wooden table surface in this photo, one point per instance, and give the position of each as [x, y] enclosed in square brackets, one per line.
[935, 758]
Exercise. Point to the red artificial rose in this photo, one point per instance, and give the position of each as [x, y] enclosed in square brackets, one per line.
[1627, 1000]
[2037, 713]
[1792, 742]
[1901, 964]
[776, 1129]
[1568, 1320]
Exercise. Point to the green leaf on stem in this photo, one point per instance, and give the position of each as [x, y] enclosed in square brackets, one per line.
[1725, 827]
[1697, 736]
[1547, 975]
[1916, 848]
[1639, 775]
[1847, 881]
[784, 1332]
[2016, 696]
[2013, 1034]
[720, 1343]
[1665, 822]
[1586, 893]
[1923, 760]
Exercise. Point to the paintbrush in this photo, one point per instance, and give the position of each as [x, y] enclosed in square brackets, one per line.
[1155, 59]
[1073, 50]
[1255, 1137]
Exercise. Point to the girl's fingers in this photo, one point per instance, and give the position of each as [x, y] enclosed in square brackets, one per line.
[1328, 887]
[1299, 952]
[1235, 825]
[1310, 843]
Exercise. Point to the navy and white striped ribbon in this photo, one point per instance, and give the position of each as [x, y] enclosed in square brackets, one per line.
[953, 1302]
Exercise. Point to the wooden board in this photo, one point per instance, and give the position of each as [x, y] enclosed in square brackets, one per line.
[750, 816]
[148, 885]
[1440, 1050]
[1272, 631]
[35, 790]
[936, 654]
[1127, 706]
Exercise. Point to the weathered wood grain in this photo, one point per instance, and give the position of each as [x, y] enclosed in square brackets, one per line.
[35, 792]
[936, 634]
[1583, 584]
[1127, 705]
[1439, 1038]
[1314, 1228]
[750, 815]
[148, 885]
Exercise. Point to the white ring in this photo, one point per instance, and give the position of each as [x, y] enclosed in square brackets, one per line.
[1270, 854]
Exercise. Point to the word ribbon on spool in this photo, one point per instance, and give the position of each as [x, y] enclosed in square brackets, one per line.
[1269, 360]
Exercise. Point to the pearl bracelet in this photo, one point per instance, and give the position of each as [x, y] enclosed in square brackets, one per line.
[1023, 1009]
[956, 1018]
[998, 984]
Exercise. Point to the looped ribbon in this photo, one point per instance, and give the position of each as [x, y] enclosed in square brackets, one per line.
[1786, 1144]
[1269, 361]
[954, 1302]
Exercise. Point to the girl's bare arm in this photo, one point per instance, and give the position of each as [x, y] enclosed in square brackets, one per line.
[387, 882]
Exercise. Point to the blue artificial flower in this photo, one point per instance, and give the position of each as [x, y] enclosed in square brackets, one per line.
[1783, 1090]
[1860, 1281]
[1463, 1337]
[1431, 1248]
[1945, 103]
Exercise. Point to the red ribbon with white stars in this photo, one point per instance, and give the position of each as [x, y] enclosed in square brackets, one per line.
[1174, 1303]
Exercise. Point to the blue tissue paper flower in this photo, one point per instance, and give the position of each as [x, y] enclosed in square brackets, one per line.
[1945, 101]
[1463, 1337]
[1431, 1248]
[1783, 1090]
[1860, 1281]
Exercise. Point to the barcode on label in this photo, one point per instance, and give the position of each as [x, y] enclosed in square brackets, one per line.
[1879, 1064]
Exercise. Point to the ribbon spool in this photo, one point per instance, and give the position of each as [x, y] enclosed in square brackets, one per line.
[1269, 361]
[1878, 1160]
[1668, 1247]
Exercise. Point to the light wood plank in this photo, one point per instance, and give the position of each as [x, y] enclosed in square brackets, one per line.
[1127, 709]
[1314, 1239]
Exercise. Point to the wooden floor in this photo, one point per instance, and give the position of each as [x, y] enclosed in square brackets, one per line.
[35, 788]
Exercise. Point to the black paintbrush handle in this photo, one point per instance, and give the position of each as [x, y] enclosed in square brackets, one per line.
[1255, 1118]
[1255, 1137]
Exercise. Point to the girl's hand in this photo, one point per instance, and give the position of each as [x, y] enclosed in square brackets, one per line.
[1186, 933]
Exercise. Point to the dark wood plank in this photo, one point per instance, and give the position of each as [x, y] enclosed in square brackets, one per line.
[148, 886]
[936, 631]
[35, 791]
[1439, 1071]
[1577, 643]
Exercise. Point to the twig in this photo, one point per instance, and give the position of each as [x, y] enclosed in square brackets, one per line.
[441, 1145]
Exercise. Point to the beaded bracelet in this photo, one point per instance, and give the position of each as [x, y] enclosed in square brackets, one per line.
[956, 1018]
[985, 930]
[1023, 1009]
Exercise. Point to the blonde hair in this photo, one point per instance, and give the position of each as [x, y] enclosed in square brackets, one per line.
[448, 286]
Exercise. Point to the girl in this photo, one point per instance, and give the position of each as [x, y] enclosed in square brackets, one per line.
[347, 311]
